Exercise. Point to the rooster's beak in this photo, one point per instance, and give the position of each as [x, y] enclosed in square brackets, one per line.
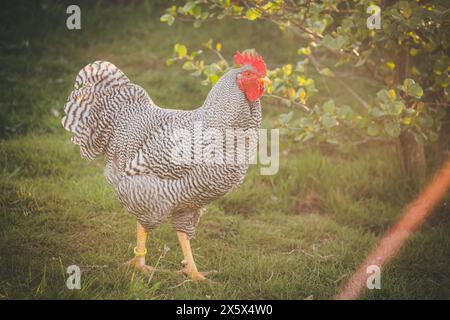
[264, 81]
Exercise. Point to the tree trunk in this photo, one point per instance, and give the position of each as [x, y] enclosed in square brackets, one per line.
[412, 156]
[411, 152]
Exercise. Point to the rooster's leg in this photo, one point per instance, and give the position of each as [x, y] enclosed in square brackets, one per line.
[189, 267]
[140, 251]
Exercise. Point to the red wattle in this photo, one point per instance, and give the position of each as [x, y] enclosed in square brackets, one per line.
[252, 89]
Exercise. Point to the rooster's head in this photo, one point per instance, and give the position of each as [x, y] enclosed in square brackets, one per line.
[251, 79]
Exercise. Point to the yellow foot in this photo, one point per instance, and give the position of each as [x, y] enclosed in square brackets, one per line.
[140, 265]
[198, 276]
[192, 272]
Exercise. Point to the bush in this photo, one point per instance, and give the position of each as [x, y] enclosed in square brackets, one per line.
[375, 84]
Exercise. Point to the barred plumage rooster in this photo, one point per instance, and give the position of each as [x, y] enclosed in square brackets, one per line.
[111, 116]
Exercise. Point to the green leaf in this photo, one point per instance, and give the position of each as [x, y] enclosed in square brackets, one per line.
[196, 73]
[286, 117]
[412, 89]
[208, 44]
[343, 111]
[360, 62]
[390, 65]
[252, 14]
[407, 82]
[334, 43]
[405, 9]
[267, 6]
[377, 112]
[328, 121]
[188, 6]
[287, 69]
[304, 136]
[181, 50]
[172, 10]
[196, 53]
[329, 107]
[433, 136]
[326, 72]
[237, 9]
[413, 52]
[333, 141]
[170, 61]
[392, 128]
[287, 103]
[196, 12]
[373, 129]
[383, 95]
[188, 65]
[396, 108]
[168, 18]
[213, 78]
[305, 51]
[425, 120]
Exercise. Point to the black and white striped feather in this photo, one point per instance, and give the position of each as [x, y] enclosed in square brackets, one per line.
[108, 115]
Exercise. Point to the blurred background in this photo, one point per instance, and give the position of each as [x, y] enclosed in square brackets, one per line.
[363, 116]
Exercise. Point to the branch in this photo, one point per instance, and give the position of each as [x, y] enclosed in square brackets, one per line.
[301, 106]
[353, 93]
[218, 54]
[372, 139]
[350, 90]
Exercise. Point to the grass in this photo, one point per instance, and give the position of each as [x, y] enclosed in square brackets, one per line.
[295, 235]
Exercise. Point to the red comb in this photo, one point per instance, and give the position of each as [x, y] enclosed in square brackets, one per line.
[256, 61]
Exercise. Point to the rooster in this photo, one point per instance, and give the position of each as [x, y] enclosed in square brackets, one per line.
[109, 115]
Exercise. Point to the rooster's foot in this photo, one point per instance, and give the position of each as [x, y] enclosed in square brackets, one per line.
[140, 265]
[192, 272]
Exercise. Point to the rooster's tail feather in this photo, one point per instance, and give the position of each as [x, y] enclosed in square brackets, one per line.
[91, 107]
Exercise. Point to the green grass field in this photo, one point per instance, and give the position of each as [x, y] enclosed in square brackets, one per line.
[295, 235]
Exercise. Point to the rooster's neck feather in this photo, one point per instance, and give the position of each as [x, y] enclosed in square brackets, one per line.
[227, 107]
